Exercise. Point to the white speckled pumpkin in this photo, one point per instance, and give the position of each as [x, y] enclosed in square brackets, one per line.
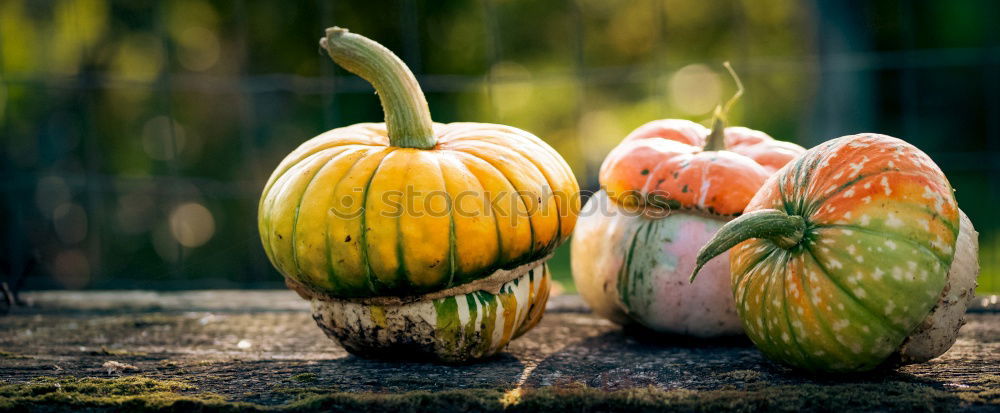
[854, 255]
[413, 238]
[666, 189]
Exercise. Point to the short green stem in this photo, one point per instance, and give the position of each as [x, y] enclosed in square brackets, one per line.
[716, 140]
[785, 231]
[407, 117]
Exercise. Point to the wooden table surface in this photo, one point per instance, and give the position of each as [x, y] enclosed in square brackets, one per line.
[262, 347]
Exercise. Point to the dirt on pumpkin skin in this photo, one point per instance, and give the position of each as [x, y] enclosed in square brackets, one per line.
[266, 354]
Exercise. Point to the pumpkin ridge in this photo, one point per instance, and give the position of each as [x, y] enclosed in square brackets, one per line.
[900, 237]
[761, 259]
[764, 309]
[552, 157]
[804, 177]
[400, 276]
[531, 225]
[825, 327]
[295, 220]
[548, 181]
[381, 151]
[932, 181]
[496, 223]
[362, 235]
[265, 208]
[331, 273]
[747, 276]
[498, 262]
[306, 155]
[814, 205]
[451, 225]
[784, 301]
[861, 304]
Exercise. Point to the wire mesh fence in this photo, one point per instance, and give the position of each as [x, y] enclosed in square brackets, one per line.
[137, 135]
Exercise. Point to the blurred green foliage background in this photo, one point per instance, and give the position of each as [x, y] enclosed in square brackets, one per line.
[136, 135]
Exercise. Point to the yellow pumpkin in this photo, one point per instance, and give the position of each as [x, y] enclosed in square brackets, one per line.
[410, 209]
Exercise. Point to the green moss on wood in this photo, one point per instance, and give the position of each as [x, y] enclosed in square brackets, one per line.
[131, 393]
[304, 378]
[9, 355]
[136, 393]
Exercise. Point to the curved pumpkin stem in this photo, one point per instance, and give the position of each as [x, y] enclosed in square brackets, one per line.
[407, 117]
[716, 141]
[785, 231]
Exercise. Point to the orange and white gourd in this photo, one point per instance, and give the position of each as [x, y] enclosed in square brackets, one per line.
[665, 190]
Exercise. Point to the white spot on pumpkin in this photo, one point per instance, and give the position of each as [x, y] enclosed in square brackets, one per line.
[897, 273]
[893, 221]
[835, 264]
[867, 199]
[856, 167]
[938, 199]
[865, 219]
[925, 224]
[851, 249]
[859, 292]
[868, 185]
[885, 185]
[848, 232]
[889, 306]
[889, 243]
[877, 275]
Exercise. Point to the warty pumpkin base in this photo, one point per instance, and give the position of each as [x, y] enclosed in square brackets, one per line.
[451, 329]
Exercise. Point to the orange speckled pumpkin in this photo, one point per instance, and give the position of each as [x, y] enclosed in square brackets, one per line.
[667, 188]
[852, 254]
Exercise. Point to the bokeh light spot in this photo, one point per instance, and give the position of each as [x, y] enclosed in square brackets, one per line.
[139, 58]
[512, 89]
[695, 89]
[192, 225]
[199, 49]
